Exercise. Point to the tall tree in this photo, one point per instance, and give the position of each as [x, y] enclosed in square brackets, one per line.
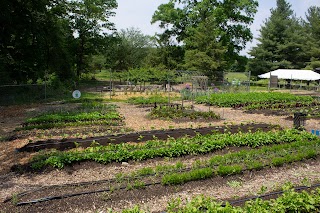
[224, 24]
[89, 18]
[129, 50]
[280, 42]
[312, 28]
[165, 54]
[33, 38]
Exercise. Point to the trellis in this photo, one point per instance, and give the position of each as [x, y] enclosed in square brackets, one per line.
[198, 80]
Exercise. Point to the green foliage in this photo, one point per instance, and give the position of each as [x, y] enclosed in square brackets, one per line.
[139, 185]
[282, 42]
[51, 38]
[290, 201]
[202, 25]
[253, 98]
[174, 113]
[129, 51]
[229, 170]
[159, 99]
[88, 113]
[180, 178]
[170, 148]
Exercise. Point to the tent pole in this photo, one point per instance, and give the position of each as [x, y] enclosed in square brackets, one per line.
[291, 83]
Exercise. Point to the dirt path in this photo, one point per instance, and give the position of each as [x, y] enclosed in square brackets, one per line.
[136, 118]
[155, 198]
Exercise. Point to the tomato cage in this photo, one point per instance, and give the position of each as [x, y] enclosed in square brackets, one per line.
[299, 120]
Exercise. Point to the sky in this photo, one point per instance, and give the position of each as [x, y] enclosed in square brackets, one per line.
[138, 13]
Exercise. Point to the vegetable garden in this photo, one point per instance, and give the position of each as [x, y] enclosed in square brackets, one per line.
[149, 166]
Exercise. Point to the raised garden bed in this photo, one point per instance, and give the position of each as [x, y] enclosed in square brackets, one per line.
[140, 137]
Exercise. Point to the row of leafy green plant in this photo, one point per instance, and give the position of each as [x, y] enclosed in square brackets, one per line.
[86, 114]
[159, 99]
[236, 163]
[245, 99]
[230, 163]
[199, 144]
[175, 113]
[289, 201]
[287, 105]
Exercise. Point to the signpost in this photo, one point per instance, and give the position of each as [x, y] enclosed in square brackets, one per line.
[76, 94]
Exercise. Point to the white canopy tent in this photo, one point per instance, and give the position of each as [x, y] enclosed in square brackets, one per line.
[306, 75]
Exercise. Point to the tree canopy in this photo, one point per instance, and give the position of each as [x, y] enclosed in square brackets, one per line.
[213, 32]
[286, 41]
[63, 39]
[44, 37]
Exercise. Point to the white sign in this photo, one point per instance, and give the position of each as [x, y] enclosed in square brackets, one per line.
[76, 94]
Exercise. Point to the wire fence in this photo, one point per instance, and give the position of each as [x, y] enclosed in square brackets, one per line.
[29, 93]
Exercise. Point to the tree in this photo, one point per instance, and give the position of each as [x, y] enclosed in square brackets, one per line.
[280, 43]
[312, 30]
[129, 49]
[204, 53]
[89, 18]
[165, 54]
[34, 40]
[223, 25]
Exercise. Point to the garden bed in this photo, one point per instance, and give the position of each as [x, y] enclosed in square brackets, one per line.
[143, 136]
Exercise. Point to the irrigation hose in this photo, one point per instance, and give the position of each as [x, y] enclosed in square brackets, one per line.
[73, 195]
[114, 179]
[299, 188]
[95, 182]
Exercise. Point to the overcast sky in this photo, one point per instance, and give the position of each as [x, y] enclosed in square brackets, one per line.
[138, 13]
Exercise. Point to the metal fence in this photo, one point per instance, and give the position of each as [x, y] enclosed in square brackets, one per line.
[19, 94]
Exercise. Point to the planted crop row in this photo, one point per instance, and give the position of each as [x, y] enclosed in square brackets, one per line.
[148, 100]
[70, 124]
[73, 117]
[85, 114]
[231, 163]
[244, 99]
[91, 113]
[282, 105]
[170, 148]
[235, 163]
[290, 201]
[174, 113]
[250, 159]
[222, 165]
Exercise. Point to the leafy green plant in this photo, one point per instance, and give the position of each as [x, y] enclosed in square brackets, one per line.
[139, 184]
[159, 99]
[229, 170]
[90, 113]
[170, 148]
[234, 184]
[180, 178]
[290, 201]
[175, 113]
[253, 98]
